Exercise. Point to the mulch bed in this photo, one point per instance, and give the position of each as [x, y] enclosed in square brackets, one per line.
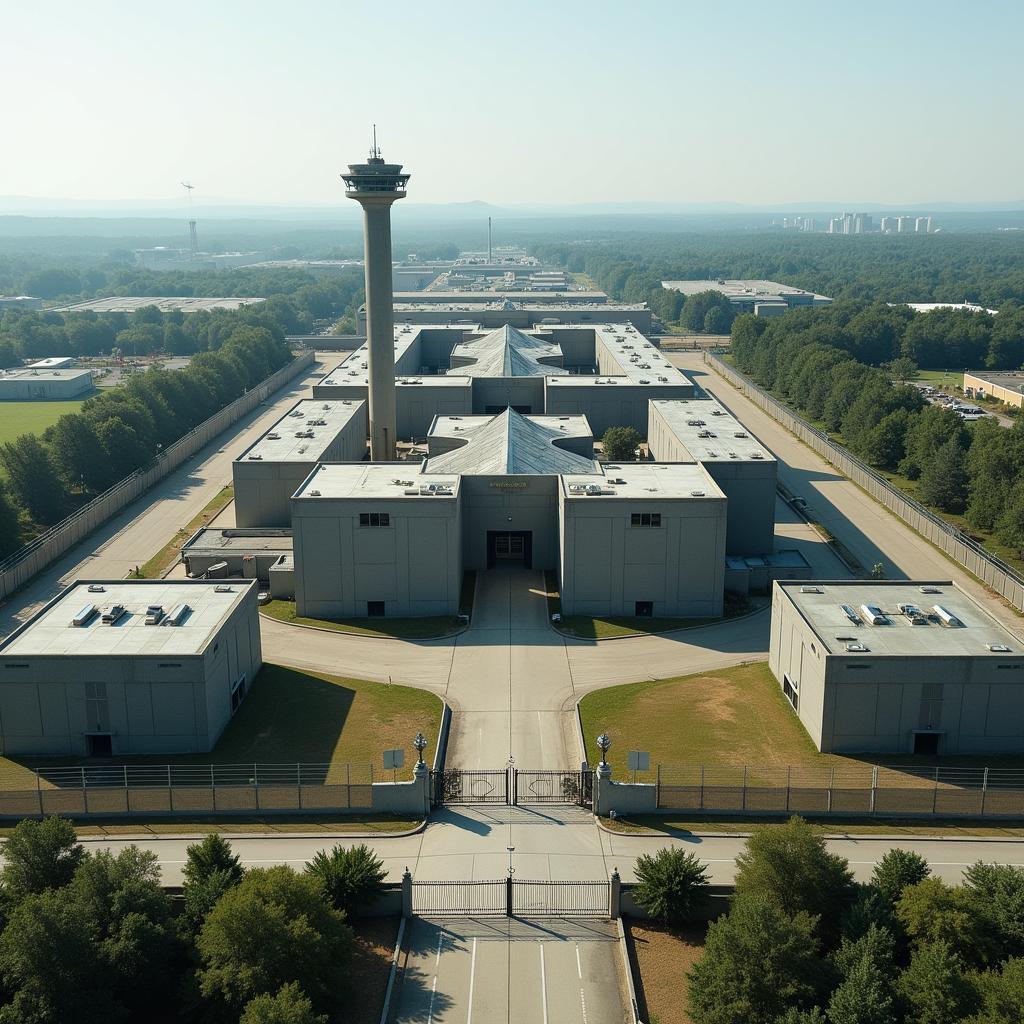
[661, 958]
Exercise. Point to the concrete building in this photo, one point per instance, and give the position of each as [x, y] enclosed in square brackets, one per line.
[703, 430]
[575, 297]
[746, 295]
[521, 314]
[121, 667]
[1007, 386]
[376, 185]
[20, 302]
[270, 470]
[897, 667]
[24, 384]
[249, 554]
[166, 304]
[52, 363]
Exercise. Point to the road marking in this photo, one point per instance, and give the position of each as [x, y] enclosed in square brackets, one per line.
[543, 984]
[583, 1006]
[433, 987]
[472, 975]
[579, 968]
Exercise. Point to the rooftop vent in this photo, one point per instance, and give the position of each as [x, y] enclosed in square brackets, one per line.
[113, 614]
[256, 456]
[914, 614]
[850, 614]
[223, 588]
[97, 588]
[999, 648]
[930, 590]
[717, 412]
[154, 613]
[873, 614]
[314, 494]
[946, 618]
[811, 590]
[273, 436]
[756, 455]
[696, 494]
[177, 614]
[740, 433]
[84, 615]
[857, 648]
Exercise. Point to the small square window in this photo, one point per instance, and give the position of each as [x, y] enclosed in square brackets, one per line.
[655, 519]
[644, 609]
[375, 609]
[385, 519]
[364, 519]
[634, 519]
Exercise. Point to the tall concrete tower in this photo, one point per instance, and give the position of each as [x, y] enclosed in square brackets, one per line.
[375, 185]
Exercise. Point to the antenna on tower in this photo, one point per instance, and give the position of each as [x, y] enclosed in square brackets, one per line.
[191, 220]
[375, 152]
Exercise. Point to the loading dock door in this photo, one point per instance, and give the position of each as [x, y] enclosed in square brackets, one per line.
[510, 548]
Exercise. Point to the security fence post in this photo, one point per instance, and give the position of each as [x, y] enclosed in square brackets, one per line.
[984, 790]
[874, 787]
[615, 895]
[406, 894]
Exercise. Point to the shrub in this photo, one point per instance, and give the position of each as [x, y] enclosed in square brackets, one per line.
[672, 884]
[353, 878]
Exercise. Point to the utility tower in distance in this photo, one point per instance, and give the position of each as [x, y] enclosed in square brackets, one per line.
[193, 240]
[375, 185]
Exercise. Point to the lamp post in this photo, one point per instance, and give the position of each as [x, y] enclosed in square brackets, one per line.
[420, 743]
[604, 769]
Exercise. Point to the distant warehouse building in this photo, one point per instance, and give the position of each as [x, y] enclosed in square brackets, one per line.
[762, 298]
[897, 667]
[27, 384]
[1006, 386]
[129, 667]
[270, 470]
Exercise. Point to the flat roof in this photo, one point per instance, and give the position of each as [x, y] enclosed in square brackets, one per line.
[333, 480]
[229, 539]
[820, 604]
[652, 481]
[637, 358]
[508, 305]
[50, 362]
[165, 303]
[35, 373]
[516, 295]
[1000, 377]
[50, 632]
[927, 307]
[740, 288]
[282, 443]
[690, 418]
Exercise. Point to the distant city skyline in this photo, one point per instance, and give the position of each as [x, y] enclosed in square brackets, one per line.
[891, 105]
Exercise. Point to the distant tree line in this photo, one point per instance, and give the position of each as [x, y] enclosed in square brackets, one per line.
[803, 943]
[986, 269]
[972, 469]
[93, 938]
[125, 428]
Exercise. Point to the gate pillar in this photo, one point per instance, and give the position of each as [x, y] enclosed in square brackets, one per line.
[615, 895]
[421, 779]
[407, 894]
[508, 897]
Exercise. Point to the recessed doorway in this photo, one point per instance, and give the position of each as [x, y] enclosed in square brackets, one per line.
[926, 743]
[100, 745]
[510, 549]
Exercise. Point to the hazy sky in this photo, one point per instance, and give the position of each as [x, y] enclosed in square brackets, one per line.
[517, 102]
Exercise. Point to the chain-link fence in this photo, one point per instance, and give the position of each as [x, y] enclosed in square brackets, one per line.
[177, 789]
[843, 789]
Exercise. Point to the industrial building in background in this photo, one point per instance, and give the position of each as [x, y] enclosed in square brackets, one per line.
[897, 667]
[33, 383]
[114, 667]
[762, 298]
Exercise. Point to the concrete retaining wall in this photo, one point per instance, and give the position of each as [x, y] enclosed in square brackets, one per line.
[20, 567]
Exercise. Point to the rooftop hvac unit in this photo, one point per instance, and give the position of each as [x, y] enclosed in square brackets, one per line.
[873, 614]
[273, 436]
[256, 456]
[217, 571]
[914, 614]
[696, 494]
[740, 433]
[810, 589]
[177, 614]
[154, 613]
[756, 455]
[84, 614]
[717, 412]
[850, 614]
[663, 380]
[946, 618]
[999, 648]
[313, 494]
[930, 590]
[223, 588]
[113, 614]
[857, 648]
[97, 588]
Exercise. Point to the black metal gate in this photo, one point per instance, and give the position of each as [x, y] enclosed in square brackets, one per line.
[455, 786]
[547, 787]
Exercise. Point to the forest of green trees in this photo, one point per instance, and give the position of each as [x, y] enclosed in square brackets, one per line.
[975, 469]
[124, 429]
[987, 269]
[803, 943]
[94, 938]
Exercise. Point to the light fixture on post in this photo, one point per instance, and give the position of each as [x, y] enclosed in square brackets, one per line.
[420, 743]
[604, 741]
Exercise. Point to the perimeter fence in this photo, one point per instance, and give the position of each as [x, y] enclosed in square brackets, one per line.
[989, 568]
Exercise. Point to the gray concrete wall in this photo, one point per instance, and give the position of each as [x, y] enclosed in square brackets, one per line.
[44, 389]
[418, 404]
[35, 556]
[607, 565]
[524, 393]
[491, 504]
[154, 704]
[414, 565]
[608, 405]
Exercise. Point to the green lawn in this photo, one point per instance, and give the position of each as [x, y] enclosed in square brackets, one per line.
[731, 717]
[169, 553]
[18, 418]
[425, 627]
[291, 716]
[948, 378]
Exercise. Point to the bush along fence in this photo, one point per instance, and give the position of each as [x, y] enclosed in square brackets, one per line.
[990, 569]
[20, 567]
[187, 789]
[840, 790]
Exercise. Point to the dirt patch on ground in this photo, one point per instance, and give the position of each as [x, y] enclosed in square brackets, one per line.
[715, 701]
[371, 964]
[661, 958]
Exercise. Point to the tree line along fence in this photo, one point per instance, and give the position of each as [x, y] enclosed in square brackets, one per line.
[176, 789]
[989, 568]
[860, 789]
[18, 568]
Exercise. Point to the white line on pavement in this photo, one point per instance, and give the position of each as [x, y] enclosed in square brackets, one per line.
[472, 976]
[543, 984]
[433, 987]
[583, 1006]
[579, 968]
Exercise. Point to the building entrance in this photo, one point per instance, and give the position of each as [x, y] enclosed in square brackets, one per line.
[510, 549]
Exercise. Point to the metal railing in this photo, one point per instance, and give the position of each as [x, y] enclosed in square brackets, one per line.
[989, 568]
[460, 898]
[843, 789]
[82, 790]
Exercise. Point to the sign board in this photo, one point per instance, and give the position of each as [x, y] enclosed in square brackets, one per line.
[394, 759]
[638, 761]
[508, 485]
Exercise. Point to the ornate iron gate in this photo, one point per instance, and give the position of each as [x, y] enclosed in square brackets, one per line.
[455, 786]
[547, 787]
[559, 899]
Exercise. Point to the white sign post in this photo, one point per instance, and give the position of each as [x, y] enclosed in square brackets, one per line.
[638, 761]
[394, 759]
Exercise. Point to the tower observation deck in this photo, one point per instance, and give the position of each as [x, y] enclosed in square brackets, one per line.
[375, 185]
